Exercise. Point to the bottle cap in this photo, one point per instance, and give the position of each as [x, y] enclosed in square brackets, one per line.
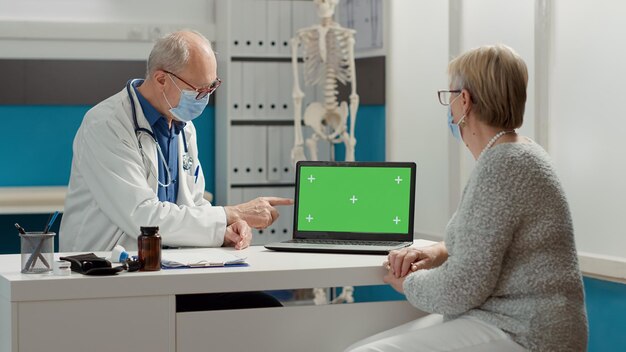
[119, 254]
[61, 268]
[149, 230]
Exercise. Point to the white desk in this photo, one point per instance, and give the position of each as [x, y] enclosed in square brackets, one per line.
[136, 311]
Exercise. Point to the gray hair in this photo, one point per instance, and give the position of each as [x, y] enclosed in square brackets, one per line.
[171, 52]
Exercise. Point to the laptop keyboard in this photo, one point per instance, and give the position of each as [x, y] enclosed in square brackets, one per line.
[346, 242]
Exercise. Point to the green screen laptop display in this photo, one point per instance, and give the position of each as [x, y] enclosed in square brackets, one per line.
[363, 199]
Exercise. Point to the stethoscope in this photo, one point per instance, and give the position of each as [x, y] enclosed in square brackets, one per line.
[139, 131]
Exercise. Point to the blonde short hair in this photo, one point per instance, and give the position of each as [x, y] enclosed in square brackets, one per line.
[496, 78]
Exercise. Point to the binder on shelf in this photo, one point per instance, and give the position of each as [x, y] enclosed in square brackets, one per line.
[273, 20]
[248, 93]
[273, 90]
[302, 13]
[253, 140]
[287, 167]
[285, 102]
[249, 23]
[284, 28]
[363, 24]
[237, 26]
[259, 82]
[259, 26]
[237, 161]
[274, 153]
[235, 196]
[235, 83]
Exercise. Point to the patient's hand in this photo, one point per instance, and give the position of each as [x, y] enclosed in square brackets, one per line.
[395, 282]
[403, 261]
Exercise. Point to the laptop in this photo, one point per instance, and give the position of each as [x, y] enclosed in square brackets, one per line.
[352, 207]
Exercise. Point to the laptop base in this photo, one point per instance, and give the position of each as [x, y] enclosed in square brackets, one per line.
[334, 248]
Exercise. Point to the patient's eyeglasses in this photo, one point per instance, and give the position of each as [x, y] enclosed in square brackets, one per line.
[202, 92]
[445, 95]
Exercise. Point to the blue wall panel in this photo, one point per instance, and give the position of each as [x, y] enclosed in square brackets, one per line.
[606, 310]
[37, 147]
[370, 135]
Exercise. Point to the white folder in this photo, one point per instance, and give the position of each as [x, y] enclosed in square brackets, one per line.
[249, 23]
[258, 26]
[287, 167]
[272, 35]
[272, 86]
[255, 153]
[247, 83]
[363, 24]
[259, 83]
[235, 83]
[237, 161]
[274, 153]
[284, 28]
[235, 196]
[300, 16]
[285, 95]
[238, 27]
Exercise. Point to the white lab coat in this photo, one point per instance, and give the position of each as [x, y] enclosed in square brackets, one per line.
[112, 191]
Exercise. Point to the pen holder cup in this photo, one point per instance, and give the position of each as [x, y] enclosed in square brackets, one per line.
[37, 249]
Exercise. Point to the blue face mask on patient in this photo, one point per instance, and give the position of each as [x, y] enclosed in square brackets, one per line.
[454, 127]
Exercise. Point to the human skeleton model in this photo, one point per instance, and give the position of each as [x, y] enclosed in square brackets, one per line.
[328, 52]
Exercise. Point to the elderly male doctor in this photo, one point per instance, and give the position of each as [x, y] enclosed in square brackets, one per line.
[136, 161]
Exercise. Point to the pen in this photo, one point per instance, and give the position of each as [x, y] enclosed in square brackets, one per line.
[51, 221]
[196, 173]
[20, 229]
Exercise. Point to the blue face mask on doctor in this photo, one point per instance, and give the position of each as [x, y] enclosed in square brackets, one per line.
[188, 106]
[454, 127]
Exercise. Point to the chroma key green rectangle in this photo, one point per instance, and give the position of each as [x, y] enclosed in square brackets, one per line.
[354, 199]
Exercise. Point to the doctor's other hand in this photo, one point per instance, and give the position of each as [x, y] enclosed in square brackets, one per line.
[258, 213]
[238, 235]
[402, 262]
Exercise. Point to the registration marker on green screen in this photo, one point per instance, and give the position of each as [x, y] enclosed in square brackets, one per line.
[354, 199]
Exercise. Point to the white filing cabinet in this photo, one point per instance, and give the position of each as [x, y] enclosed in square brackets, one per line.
[254, 112]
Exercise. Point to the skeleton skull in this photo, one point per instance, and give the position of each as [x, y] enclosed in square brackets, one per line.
[325, 8]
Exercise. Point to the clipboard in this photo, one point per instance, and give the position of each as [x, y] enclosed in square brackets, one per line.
[200, 258]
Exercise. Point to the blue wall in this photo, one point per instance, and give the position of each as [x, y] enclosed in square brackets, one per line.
[606, 310]
[370, 135]
[37, 147]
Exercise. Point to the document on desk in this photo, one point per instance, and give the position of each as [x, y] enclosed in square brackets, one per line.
[199, 258]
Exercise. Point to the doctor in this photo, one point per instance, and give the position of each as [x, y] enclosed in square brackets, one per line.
[136, 161]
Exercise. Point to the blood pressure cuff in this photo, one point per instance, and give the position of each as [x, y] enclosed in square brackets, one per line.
[91, 264]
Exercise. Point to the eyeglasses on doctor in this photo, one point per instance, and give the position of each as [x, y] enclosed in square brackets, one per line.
[202, 92]
[445, 95]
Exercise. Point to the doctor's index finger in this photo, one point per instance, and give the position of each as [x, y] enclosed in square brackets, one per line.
[279, 201]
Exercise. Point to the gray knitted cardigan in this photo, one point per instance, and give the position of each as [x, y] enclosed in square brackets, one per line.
[512, 261]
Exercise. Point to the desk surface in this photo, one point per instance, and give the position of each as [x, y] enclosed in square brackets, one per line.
[268, 270]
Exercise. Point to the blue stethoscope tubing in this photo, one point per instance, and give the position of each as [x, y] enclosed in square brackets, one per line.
[187, 160]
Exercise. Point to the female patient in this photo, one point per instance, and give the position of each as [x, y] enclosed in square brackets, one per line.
[506, 278]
